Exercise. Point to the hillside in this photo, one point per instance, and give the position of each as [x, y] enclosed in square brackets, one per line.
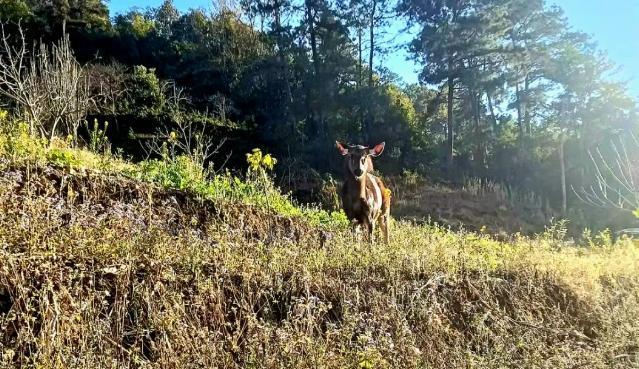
[473, 206]
[101, 269]
[488, 208]
[169, 194]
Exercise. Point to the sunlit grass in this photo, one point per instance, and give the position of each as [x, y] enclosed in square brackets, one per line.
[180, 173]
[146, 280]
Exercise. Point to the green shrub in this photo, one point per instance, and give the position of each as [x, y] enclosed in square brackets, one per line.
[257, 188]
[16, 142]
[179, 172]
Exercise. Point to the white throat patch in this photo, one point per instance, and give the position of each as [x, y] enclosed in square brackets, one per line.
[377, 200]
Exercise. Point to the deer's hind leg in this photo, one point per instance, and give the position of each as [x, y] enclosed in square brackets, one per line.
[385, 217]
[384, 225]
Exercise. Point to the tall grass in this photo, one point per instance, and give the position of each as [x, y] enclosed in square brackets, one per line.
[112, 267]
[179, 172]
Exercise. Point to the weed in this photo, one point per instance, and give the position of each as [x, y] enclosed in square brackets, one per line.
[109, 264]
[181, 172]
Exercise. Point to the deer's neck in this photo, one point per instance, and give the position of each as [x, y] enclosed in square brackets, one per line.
[361, 183]
[358, 185]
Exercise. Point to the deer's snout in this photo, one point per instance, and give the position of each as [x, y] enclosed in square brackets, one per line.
[359, 172]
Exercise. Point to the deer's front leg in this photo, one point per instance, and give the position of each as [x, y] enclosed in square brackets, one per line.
[355, 229]
[370, 229]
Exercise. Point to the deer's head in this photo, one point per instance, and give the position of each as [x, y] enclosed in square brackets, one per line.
[358, 158]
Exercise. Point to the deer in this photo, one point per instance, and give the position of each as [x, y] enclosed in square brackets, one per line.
[365, 199]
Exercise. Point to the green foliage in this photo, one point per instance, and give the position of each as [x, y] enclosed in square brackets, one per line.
[140, 26]
[181, 173]
[61, 156]
[98, 141]
[259, 162]
[134, 24]
[257, 189]
[14, 10]
[173, 172]
[556, 232]
[144, 93]
[602, 239]
[16, 141]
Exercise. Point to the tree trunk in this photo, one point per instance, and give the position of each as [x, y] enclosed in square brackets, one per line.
[479, 155]
[314, 115]
[277, 16]
[526, 107]
[522, 154]
[285, 68]
[563, 174]
[492, 112]
[450, 121]
[359, 57]
[310, 20]
[359, 77]
[371, 52]
[520, 116]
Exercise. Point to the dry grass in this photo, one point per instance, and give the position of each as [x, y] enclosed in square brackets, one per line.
[492, 207]
[104, 272]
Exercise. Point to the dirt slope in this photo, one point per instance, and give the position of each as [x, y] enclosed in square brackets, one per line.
[460, 208]
[105, 272]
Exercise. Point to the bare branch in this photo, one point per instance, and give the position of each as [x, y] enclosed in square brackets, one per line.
[614, 182]
[48, 87]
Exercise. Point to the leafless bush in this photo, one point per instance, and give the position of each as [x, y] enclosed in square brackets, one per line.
[48, 86]
[108, 86]
[67, 85]
[185, 137]
[616, 175]
[222, 106]
[19, 82]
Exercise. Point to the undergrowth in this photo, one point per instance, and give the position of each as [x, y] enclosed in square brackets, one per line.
[104, 270]
[180, 172]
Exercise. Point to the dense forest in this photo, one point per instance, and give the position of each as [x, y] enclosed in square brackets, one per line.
[509, 93]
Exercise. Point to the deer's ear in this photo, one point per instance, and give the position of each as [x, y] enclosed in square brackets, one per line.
[377, 150]
[342, 149]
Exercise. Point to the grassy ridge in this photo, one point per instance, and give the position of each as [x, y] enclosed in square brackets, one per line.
[99, 268]
[172, 171]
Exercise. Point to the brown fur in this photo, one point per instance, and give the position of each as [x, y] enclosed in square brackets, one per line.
[359, 195]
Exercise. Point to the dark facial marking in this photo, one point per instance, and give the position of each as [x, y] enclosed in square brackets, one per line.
[358, 157]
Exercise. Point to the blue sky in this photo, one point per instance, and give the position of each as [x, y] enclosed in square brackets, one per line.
[613, 24]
